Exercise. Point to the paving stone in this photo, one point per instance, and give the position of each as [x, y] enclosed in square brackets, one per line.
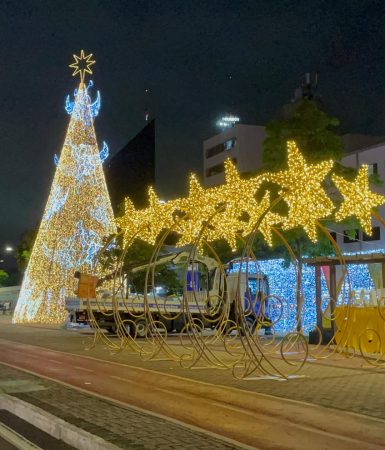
[123, 426]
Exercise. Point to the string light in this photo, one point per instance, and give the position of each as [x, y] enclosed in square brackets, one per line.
[282, 278]
[77, 218]
[82, 65]
[78, 214]
[232, 209]
[302, 190]
[198, 207]
[358, 201]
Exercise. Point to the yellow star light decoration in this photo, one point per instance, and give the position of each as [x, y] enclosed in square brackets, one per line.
[230, 210]
[146, 224]
[157, 217]
[129, 222]
[237, 196]
[302, 190]
[358, 201]
[82, 65]
[268, 221]
[198, 207]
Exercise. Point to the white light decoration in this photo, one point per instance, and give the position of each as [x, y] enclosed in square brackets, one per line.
[228, 121]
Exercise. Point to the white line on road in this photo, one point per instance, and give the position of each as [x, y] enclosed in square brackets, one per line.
[82, 368]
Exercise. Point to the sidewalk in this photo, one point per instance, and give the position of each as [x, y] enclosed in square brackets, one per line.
[338, 383]
[125, 427]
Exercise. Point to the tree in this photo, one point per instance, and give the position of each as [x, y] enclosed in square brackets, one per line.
[314, 132]
[24, 248]
[3, 277]
[77, 217]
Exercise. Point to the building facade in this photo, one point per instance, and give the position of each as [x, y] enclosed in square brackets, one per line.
[356, 240]
[131, 171]
[241, 143]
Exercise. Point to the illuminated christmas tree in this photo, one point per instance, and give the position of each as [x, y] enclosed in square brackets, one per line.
[78, 215]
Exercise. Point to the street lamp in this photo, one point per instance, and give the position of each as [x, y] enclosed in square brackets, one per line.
[8, 249]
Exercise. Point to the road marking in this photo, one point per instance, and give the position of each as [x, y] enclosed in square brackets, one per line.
[83, 368]
[54, 361]
[123, 379]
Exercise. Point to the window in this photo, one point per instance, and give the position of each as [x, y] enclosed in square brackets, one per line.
[376, 235]
[372, 168]
[333, 234]
[228, 145]
[351, 236]
[219, 168]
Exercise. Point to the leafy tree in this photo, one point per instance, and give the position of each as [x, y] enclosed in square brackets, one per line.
[24, 248]
[315, 134]
[3, 277]
[311, 128]
[139, 254]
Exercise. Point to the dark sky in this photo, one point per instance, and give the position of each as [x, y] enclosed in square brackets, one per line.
[184, 52]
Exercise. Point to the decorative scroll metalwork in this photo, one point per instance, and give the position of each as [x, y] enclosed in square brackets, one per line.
[223, 324]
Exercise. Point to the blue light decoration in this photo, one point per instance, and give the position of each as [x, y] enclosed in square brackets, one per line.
[95, 106]
[282, 283]
[104, 152]
[86, 161]
[83, 109]
[57, 202]
[69, 106]
[76, 251]
[99, 213]
[56, 159]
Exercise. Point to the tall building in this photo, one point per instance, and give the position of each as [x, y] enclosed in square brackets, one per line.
[132, 169]
[241, 143]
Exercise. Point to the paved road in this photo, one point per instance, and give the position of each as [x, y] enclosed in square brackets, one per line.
[247, 417]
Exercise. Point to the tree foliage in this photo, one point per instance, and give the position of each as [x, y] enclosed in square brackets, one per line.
[311, 128]
[3, 277]
[24, 248]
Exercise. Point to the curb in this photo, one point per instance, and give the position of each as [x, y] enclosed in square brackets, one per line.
[54, 426]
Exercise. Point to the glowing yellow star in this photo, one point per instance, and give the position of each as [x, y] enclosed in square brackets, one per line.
[82, 65]
[129, 223]
[226, 225]
[198, 207]
[237, 196]
[237, 192]
[268, 221]
[157, 217]
[302, 190]
[358, 199]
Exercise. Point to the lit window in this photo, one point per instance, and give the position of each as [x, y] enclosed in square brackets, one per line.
[228, 145]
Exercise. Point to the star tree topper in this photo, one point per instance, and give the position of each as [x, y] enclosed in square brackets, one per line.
[358, 201]
[82, 65]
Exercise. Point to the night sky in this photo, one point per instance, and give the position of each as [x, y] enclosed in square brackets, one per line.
[198, 58]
